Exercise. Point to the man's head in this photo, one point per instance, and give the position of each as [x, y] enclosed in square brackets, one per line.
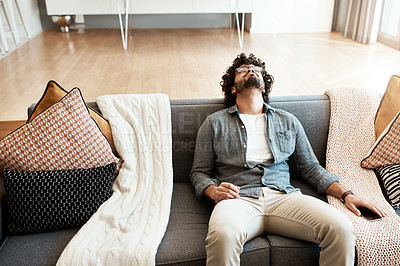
[236, 80]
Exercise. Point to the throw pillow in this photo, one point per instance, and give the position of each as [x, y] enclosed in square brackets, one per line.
[390, 176]
[54, 200]
[55, 93]
[386, 150]
[62, 137]
[389, 106]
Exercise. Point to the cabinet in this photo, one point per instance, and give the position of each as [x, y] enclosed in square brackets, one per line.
[87, 7]
[222, 6]
[103, 7]
[159, 6]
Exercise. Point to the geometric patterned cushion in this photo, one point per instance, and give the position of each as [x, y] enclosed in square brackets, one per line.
[62, 137]
[53, 200]
[55, 93]
[390, 176]
[386, 150]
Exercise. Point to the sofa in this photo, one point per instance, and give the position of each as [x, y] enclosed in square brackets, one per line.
[184, 239]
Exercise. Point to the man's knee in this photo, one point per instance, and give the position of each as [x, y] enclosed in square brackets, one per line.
[340, 230]
[227, 234]
[224, 244]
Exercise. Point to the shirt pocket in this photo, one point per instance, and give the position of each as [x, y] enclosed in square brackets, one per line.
[286, 141]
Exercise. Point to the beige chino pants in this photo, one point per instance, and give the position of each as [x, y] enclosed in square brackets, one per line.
[235, 221]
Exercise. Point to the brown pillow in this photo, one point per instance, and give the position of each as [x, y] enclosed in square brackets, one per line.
[55, 93]
[389, 106]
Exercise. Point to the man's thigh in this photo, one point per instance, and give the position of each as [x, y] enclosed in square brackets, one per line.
[302, 217]
[244, 215]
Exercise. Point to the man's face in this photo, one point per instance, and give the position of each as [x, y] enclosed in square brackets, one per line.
[248, 77]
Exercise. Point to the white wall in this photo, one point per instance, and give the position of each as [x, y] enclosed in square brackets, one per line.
[284, 16]
[30, 14]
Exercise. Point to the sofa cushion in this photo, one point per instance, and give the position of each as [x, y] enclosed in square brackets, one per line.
[184, 241]
[42, 249]
[287, 251]
[53, 200]
[63, 136]
[54, 93]
[389, 106]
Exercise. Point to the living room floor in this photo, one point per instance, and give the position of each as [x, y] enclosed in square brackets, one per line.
[185, 63]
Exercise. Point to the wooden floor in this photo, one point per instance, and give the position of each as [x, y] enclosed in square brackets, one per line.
[184, 63]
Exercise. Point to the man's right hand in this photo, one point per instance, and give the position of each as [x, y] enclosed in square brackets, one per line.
[222, 192]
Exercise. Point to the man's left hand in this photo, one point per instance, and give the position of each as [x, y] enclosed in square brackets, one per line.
[353, 202]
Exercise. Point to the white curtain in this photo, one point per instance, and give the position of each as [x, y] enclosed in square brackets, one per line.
[358, 19]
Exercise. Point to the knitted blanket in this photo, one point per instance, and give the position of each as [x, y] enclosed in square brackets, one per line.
[351, 135]
[127, 229]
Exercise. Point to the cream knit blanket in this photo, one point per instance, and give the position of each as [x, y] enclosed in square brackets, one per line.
[351, 135]
[127, 229]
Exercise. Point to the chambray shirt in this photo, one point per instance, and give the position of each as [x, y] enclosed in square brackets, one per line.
[220, 154]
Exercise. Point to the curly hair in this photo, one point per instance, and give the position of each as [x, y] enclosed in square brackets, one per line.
[228, 79]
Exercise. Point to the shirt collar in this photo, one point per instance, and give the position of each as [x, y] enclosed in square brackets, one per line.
[267, 107]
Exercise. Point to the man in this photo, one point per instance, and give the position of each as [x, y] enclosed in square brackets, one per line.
[240, 162]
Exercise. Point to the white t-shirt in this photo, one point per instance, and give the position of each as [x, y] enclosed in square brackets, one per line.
[257, 146]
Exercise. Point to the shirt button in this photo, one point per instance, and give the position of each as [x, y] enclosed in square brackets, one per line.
[242, 126]
[245, 165]
[244, 146]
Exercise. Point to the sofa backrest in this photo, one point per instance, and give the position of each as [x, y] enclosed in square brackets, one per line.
[188, 115]
[313, 111]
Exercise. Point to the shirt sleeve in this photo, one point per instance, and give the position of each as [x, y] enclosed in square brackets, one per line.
[202, 173]
[307, 163]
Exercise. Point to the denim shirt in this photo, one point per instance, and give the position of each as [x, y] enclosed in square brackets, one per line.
[220, 154]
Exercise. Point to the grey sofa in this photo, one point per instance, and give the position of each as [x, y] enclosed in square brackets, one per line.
[184, 240]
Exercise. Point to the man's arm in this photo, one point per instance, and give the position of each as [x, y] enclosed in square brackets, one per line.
[353, 201]
[317, 176]
[202, 173]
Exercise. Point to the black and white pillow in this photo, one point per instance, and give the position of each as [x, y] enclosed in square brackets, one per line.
[42, 201]
[390, 176]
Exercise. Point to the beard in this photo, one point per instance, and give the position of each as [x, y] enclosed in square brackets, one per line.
[252, 82]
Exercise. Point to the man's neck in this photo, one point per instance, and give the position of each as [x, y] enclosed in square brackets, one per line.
[250, 102]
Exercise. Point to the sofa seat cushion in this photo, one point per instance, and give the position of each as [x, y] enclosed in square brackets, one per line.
[35, 249]
[184, 240]
[287, 251]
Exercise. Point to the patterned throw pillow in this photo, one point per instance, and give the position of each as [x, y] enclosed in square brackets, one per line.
[62, 137]
[390, 176]
[386, 150]
[55, 93]
[54, 200]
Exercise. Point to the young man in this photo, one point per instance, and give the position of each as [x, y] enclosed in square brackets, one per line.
[240, 162]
